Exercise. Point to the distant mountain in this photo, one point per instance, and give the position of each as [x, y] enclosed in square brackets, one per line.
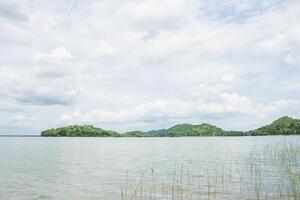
[79, 131]
[197, 130]
[136, 134]
[156, 132]
[282, 126]
[192, 130]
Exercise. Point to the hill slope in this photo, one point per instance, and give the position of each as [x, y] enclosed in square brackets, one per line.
[136, 134]
[196, 130]
[282, 126]
[79, 131]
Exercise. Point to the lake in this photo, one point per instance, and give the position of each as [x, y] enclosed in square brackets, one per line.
[163, 168]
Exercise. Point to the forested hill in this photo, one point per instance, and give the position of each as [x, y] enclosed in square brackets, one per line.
[79, 131]
[282, 126]
[196, 130]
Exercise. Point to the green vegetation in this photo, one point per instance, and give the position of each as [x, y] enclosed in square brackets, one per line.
[79, 131]
[156, 132]
[197, 130]
[193, 130]
[283, 126]
[270, 173]
[136, 134]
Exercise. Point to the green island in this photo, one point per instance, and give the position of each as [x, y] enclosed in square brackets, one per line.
[282, 126]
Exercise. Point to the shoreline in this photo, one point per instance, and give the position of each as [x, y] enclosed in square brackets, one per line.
[146, 137]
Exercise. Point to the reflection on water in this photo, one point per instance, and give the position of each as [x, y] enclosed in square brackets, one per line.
[101, 168]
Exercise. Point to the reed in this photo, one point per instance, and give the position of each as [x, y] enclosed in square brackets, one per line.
[270, 173]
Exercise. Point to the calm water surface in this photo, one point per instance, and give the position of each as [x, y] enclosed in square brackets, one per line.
[95, 168]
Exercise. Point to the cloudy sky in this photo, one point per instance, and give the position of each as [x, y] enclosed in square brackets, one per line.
[148, 64]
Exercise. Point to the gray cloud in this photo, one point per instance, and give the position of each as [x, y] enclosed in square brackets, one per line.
[35, 98]
[12, 12]
[24, 87]
[148, 64]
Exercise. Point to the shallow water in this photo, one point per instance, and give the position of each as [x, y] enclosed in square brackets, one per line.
[97, 168]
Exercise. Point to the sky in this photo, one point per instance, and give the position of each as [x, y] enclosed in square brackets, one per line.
[148, 64]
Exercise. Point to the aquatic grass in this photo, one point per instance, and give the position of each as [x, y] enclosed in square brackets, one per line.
[269, 173]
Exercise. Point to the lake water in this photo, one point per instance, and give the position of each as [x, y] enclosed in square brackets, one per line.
[97, 168]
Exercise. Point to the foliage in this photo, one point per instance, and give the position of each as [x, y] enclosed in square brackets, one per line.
[156, 132]
[193, 130]
[136, 134]
[198, 130]
[79, 131]
[283, 126]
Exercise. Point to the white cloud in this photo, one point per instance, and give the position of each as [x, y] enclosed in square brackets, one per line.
[23, 87]
[59, 53]
[228, 78]
[175, 111]
[55, 64]
[149, 64]
[293, 59]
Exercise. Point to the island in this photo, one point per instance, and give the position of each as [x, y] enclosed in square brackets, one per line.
[79, 131]
[283, 126]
